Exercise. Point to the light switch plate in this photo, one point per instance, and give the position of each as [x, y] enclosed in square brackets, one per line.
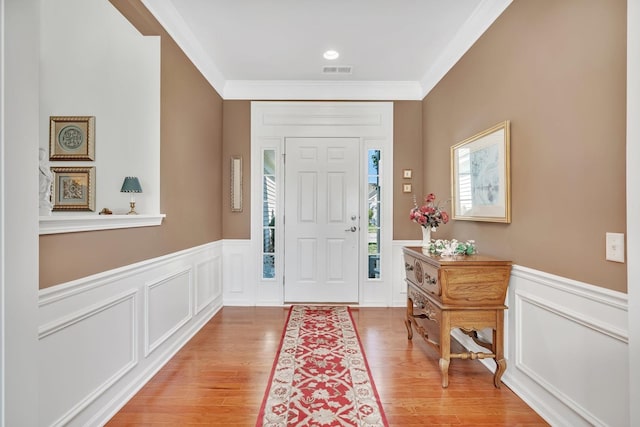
[615, 247]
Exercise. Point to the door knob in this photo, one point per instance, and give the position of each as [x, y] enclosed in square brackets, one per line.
[352, 229]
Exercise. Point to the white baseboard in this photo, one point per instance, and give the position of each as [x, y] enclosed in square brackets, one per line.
[103, 337]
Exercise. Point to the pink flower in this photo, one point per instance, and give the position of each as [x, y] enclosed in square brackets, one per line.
[430, 214]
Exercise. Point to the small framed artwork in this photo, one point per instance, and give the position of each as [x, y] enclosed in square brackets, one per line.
[72, 138]
[480, 176]
[407, 173]
[236, 184]
[406, 188]
[74, 188]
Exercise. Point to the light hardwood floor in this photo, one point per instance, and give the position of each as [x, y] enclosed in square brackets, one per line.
[220, 376]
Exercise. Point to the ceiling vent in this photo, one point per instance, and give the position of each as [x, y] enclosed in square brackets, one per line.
[336, 69]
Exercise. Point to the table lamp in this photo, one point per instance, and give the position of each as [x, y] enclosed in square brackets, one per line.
[131, 185]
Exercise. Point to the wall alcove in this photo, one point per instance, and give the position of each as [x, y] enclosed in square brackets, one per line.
[102, 66]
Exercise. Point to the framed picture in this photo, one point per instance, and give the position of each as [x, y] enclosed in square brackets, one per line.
[407, 173]
[236, 184]
[72, 138]
[74, 188]
[480, 176]
[406, 188]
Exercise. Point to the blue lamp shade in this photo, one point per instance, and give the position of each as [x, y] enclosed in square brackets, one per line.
[131, 185]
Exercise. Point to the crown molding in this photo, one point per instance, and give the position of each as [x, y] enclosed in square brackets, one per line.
[174, 25]
[479, 21]
[322, 90]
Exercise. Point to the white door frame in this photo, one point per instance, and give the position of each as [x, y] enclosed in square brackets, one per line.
[372, 122]
[19, 356]
[633, 203]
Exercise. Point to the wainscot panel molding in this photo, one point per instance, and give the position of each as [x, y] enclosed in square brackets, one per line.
[567, 349]
[91, 372]
[209, 282]
[239, 273]
[167, 307]
[103, 337]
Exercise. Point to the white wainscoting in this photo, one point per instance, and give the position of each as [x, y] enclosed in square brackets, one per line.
[101, 338]
[567, 349]
[243, 285]
[239, 274]
[399, 291]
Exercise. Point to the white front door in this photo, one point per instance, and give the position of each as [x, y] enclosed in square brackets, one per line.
[321, 220]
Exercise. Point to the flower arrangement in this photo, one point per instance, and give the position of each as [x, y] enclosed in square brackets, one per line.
[430, 214]
[452, 247]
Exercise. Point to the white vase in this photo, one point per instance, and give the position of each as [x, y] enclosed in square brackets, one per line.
[426, 237]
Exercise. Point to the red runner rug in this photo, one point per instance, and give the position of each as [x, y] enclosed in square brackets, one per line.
[320, 376]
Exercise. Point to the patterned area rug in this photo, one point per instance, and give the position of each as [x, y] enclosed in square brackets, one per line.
[320, 376]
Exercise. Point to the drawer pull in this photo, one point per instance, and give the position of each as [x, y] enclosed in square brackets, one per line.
[408, 266]
[430, 280]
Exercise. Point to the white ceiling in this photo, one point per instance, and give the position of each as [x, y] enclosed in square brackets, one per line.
[259, 49]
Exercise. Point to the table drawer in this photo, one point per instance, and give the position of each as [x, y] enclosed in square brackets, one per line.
[423, 275]
[477, 286]
[423, 305]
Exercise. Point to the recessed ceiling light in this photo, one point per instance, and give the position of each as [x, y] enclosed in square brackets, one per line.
[331, 54]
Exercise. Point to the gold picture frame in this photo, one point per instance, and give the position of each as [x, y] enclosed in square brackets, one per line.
[407, 173]
[407, 188]
[74, 188]
[72, 138]
[480, 176]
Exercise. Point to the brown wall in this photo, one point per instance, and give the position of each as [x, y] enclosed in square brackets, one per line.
[556, 69]
[190, 170]
[407, 154]
[236, 137]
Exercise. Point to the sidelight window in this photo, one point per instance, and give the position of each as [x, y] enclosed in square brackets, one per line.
[269, 213]
[373, 204]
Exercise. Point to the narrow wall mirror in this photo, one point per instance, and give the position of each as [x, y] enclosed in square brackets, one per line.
[236, 184]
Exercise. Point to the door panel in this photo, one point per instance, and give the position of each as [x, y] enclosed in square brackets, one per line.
[321, 219]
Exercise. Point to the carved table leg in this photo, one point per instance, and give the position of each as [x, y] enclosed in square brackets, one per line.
[444, 370]
[445, 348]
[409, 316]
[501, 364]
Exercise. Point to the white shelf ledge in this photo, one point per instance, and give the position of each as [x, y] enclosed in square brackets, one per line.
[78, 223]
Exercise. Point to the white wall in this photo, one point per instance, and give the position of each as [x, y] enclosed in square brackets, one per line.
[18, 211]
[93, 62]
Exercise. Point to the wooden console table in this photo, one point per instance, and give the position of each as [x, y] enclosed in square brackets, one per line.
[464, 291]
